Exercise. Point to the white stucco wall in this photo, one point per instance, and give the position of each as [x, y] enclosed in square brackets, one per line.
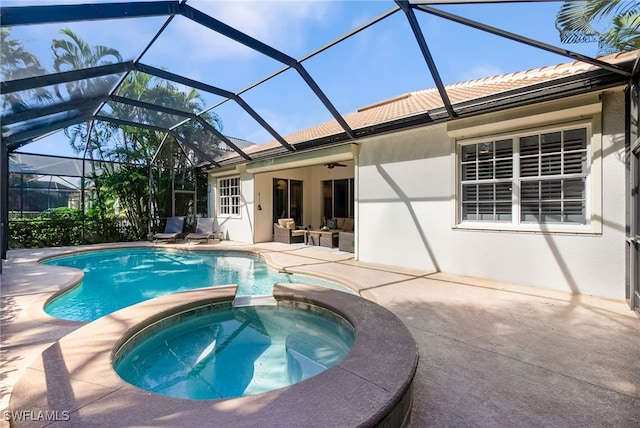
[237, 228]
[406, 217]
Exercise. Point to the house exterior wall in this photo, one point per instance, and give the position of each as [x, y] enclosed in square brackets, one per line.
[234, 227]
[407, 212]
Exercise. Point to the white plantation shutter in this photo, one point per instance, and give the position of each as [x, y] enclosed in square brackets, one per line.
[487, 169]
[557, 161]
[549, 168]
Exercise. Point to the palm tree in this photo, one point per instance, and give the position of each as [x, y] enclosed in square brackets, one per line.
[133, 146]
[577, 21]
[138, 146]
[74, 53]
[18, 63]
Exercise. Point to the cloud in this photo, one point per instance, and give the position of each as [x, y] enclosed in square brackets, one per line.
[284, 25]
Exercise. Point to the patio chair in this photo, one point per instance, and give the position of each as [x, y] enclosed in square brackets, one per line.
[204, 230]
[285, 231]
[172, 230]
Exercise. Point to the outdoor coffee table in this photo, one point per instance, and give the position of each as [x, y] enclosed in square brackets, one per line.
[322, 238]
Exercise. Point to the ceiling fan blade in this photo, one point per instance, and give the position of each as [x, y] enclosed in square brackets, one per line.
[332, 165]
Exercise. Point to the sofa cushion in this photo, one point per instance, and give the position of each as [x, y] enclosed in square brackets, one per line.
[348, 225]
[339, 222]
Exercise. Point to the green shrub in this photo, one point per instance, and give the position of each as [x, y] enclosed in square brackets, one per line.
[65, 226]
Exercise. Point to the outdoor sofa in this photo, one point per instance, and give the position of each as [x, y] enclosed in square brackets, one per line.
[346, 235]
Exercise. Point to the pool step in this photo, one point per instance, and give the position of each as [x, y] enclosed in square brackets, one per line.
[268, 373]
[243, 301]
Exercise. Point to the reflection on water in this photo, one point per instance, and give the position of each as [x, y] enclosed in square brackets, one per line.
[115, 279]
[235, 352]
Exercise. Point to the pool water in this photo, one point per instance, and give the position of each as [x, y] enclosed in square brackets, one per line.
[233, 352]
[115, 279]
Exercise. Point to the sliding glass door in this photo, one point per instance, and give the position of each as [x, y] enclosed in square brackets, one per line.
[287, 200]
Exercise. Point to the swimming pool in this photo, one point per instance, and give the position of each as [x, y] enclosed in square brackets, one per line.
[115, 279]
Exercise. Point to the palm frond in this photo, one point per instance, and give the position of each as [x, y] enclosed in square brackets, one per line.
[573, 21]
[100, 53]
[624, 36]
[578, 22]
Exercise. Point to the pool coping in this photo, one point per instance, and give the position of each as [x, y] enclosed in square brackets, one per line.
[74, 379]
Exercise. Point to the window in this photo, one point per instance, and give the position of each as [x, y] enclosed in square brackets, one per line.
[337, 198]
[229, 196]
[528, 179]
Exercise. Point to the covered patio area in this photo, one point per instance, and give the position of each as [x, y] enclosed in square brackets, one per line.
[491, 354]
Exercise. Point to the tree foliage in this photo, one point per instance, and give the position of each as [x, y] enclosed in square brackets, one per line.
[126, 182]
[73, 53]
[18, 63]
[613, 24]
[65, 226]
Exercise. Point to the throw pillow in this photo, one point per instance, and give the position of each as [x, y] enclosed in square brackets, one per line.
[283, 221]
[331, 224]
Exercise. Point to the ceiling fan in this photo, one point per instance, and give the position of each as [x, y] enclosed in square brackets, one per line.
[332, 165]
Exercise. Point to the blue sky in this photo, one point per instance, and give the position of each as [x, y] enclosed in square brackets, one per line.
[379, 63]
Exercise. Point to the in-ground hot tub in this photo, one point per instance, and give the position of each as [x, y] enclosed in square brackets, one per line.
[220, 351]
[370, 386]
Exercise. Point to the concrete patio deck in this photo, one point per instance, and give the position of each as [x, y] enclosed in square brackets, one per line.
[491, 354]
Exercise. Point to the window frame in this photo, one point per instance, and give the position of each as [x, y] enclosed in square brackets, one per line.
[592, 177]
[226, 200]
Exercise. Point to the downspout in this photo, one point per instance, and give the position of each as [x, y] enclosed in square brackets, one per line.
[355, 149]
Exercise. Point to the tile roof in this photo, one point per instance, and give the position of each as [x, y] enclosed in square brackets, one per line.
[421, 101]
